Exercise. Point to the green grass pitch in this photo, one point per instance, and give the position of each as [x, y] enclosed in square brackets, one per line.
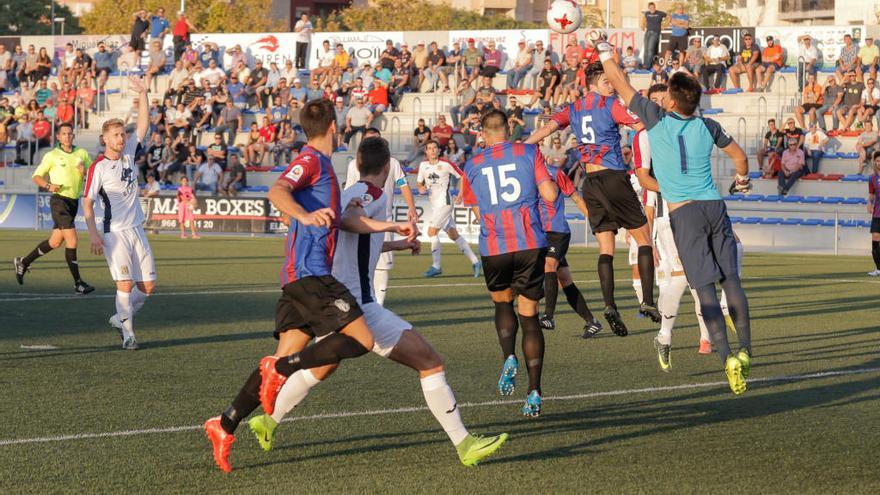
[613, 423]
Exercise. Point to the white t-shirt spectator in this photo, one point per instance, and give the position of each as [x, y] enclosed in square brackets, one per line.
[210, 173]
[717, 53]
[814, 140]
[214, 76]
[327, 58]
[177, 77]
[172, 115]
[5, 57]
[359, 116]
[810, 55]
[152, 188]
[69, 57]
[874, 93]
[304, 36]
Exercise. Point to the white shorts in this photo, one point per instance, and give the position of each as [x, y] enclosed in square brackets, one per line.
[129, 255]
[386, 259]
[441, 217]
[633, 251]
[665, 246]
[386, 327]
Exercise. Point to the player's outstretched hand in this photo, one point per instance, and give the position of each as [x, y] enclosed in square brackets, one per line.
[97, 245]
[741, 184]
[415, 246]
[407, 230]
[136, 84]
[319, 218]
[412, 215]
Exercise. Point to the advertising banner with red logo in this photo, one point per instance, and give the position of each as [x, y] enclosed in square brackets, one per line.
[266, 47]
[366, 47]
[621, 38]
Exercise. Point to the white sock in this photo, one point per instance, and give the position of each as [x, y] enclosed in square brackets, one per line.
[435, 251]
[466, 249]
[724, 303]
[739, 258]
[637, 286]
[123, 310]
[138, 299]
[704, 331]
[295, 389]
[380, 284]
[441, 402]
[671, 290]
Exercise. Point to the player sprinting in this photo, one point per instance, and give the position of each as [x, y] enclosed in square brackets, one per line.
[64, 167]
[504, 183]
[874, 210]
[186, 203]
[556, 271]
[396, 180]
[312, 300]
[434, 177]
[698, 217]
[612, 203]
[112, 179]
[357, 255]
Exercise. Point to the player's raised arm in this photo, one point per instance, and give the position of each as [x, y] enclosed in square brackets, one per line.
[613, 72]
[546, 187]
[742, 182]
[143, 120]
[547, 129]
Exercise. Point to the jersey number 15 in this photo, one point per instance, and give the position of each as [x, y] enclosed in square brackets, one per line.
[509, 186]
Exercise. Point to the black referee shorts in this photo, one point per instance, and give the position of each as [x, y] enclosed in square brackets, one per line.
[522, 271]
[612, 202]
[64, 211]
[316, 305]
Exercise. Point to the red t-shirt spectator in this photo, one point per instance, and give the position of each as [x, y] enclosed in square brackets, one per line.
[267, 133]
[42, 129]
[181, 28]
[442, 133]
[378, 96]
[64, 113]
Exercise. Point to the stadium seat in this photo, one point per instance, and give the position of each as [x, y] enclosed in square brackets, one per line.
[792, 221]
[712, 111]
[278, 169]
[794, 198]
[854, 178]
[812, 177]
[736, 219]
[864, 224]
[831, 200]
[811, 200]
[733, 197]
[751, 220]
[771, 221]
[845, 155]
[772, 197]
[732, 91]
[828, 223]
[812, 222]
[641, 71]
[787, 70]
[753, 197]
[755, 175]
[849, 223]
[574, 216]
[855, 201]
[833, 177]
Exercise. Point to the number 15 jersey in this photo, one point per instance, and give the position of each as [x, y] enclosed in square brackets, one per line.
[503, 182]
[595, 121]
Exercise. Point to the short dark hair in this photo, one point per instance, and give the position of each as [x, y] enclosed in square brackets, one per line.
[876, 155]
[65, 124]
[316, 118]
[494, 121]
[373, 130]
[373, 155]
[593, 72]
[657, 88]
[685, 91]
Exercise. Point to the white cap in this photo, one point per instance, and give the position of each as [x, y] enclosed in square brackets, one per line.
[297, 80]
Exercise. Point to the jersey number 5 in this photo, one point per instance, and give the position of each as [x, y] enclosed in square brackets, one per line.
[504, 182]
[588, 135]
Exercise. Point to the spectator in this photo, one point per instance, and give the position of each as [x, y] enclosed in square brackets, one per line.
[156, 65]
[492, 59]
[210, 53]
[159, 26]
[217, 151]
[25, 140]
[848, 58]
[466, 98]
[549, 81]
[522, 64]
[215, 76]
[44, 65]
[678, 41]
[870, 102]
[874, 211]
[793, 163]
[442, 132]
[256, 152]
[716, 58]
[64, 112]
[357, 119]
[103, 60]
[208, 177]
[399, 85]
[314, 92]
[832, 96]
[325, 64]
[515, 117]
[381, 74]
[19, 61]
[658, 74]
[420, 63]
[30, 67]
[868, 58]
[473, 61]
[236, 177]
[866, 146]
[793, 133]
[852, 101]
[340, 111]
[554, 154]
[67, 70]
[282, 152]
[256, 82]
[389, 55]
[298, 92]
[233, 57]
[156, 154]
[5, 68]
[176, 79]
[474, 129]
[378, 99]
[772, 146]
[181, 35]
[358, 90]
[676, 67]
[772, 59]
[537, 63]
[454, 154]
[189, 56]
[747, 62]
[303, 29]
[434, 72]
[151, 188]
[652, 23]
[421, 136]
[341, 62]
[630, 63]
[194, 159]
[290, 72]
[454, 63]
[278, 112]
[178, 152]
[84, 67]
[815, 142]
[812, 99]
[695, 57]
[808, 53]
[139, 31]
[293, 113]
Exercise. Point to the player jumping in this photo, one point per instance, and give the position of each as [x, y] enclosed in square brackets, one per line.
[434, 178]
[112, 178]
[64, 166]
[505, 183]
[698, 217]
[612, 203]
[358, 253]
[312, 299]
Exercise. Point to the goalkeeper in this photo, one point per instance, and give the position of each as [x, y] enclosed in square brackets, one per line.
[682, 145]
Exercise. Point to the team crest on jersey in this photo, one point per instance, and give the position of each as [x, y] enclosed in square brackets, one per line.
[342, 305]
[367, 198]
[129, 179]
[123, 269]
[296, 172]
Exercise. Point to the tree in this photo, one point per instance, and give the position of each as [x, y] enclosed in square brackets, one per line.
[711, 13]
[209, 16]
[33, 17]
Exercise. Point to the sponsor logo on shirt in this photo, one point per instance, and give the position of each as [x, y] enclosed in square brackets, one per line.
[295, 173]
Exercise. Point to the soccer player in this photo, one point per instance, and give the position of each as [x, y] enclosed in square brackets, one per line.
[505, 183]
[312, 300]
[358, 253]
[874, 210]
[396, 180]
[608, 193]
[701, 228]
[112, 178]
[434, 178]
[556, 271]
[64, 166]
[648, 199]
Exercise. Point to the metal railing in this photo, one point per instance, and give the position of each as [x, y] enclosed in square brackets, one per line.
[394, 132]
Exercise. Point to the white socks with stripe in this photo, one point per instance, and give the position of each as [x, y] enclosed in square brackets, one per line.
[671, 290]
[466, 249]
[295, 389]
[380, 284]
[435, 251]
[125, 313]
[441, 402]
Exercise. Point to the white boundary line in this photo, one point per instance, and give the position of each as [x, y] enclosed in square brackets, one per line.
[402, 410]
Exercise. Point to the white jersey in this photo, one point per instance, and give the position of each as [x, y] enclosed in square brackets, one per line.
[115, 183]
[436, 177]
[357, 254]
[642, 159]
[396, 179]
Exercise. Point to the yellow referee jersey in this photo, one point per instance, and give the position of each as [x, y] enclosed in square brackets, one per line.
[64, 170]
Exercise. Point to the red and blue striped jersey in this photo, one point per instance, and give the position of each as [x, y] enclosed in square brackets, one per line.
[874, 189]
[595, 121]
[310, 249]
[503, 181]
[553, 214]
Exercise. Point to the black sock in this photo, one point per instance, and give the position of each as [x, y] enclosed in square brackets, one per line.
[646, 273]
[875, 251]
[506, 325]
[577, 302]
[739, 311]
[72, 264]
[330, 350]
[41, 249]
[533, 349]
[247, 400]
[606, 278]
[714, 319]
[551, 291]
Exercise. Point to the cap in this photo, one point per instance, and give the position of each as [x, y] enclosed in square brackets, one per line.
[339, 99]
[404, 44]
[421, 42]
[769, 38]
[297, 80]
[522, 42]
[471, 40]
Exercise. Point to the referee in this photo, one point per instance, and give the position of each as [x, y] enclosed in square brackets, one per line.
[61, 173]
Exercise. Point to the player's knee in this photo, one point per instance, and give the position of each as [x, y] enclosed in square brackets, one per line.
[453, 234]
[551, 265]
[564, 278]
[54, 243]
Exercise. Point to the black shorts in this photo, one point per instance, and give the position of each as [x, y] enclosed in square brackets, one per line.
[679, 43]
[875, 225]
[63, 211]
[612, 202]
[557, 246]
[811, 106]
[704, 238]
[522, 271]
[316, 305]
